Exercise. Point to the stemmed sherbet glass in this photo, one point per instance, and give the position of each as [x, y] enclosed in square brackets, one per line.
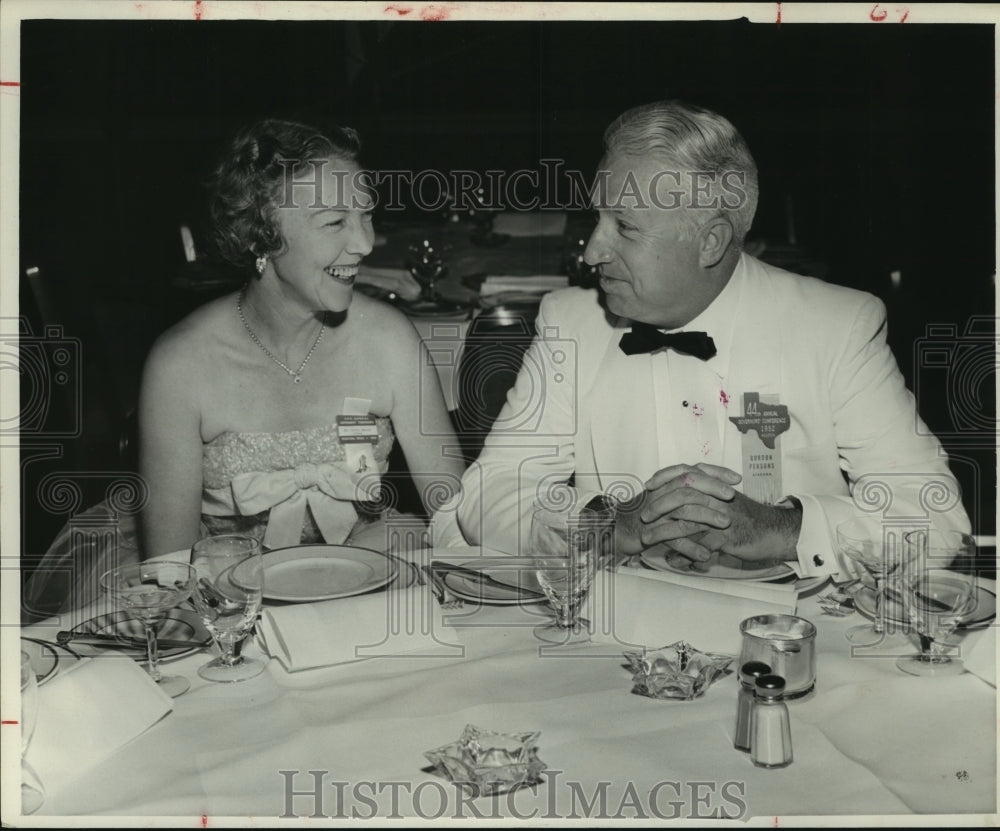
[936, 599]
[228, 596]
[567, 549]
[880, 551]
[426, 264]
[149, 590]
[32, 792]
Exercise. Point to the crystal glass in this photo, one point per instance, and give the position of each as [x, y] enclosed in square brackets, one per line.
[32, 792]
[148, 591]
[427, 265]
[936, 599]
[880, 551]
[228, 597]
[567, 548]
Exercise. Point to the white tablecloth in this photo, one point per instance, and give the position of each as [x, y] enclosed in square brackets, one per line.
[870, 740]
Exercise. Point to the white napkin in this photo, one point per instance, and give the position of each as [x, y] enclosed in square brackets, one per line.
[640, 607]
[390, 623]
[539, 283]
[531, 223]
[87, 713]
[979, 654]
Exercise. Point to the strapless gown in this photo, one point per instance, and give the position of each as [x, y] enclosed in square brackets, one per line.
[285, 488]
[292, 487]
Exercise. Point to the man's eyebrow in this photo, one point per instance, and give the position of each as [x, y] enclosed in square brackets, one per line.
[324, 209]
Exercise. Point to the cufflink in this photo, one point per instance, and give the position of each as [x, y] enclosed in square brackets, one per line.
[817, 560]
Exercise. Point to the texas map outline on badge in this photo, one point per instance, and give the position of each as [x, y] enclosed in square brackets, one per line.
[768, 420]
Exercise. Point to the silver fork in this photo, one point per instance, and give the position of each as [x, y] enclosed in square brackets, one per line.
[447, 599]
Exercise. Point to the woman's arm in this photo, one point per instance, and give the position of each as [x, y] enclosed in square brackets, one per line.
[170, 447]
[420, 417]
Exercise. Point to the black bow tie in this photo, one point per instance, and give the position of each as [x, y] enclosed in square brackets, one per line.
[645, 338]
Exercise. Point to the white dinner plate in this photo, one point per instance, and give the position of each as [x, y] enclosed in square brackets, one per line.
[517, 573]
[306, 573]
[985, 611]
[726, 567]
[44, 658]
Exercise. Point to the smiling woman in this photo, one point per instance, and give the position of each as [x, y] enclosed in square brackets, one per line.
[272, 411]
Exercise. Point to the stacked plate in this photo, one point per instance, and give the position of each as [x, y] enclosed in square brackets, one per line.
[482, 576]
[727, 567]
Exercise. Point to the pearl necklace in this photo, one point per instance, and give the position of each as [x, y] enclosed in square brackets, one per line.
[295, 374]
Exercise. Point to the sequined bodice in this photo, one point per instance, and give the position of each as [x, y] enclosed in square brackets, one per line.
[231, 454]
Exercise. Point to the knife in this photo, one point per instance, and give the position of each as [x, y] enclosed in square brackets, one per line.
[120, 641]
[481, 577]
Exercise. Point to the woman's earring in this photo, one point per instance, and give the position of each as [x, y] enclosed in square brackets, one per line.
[261, 263]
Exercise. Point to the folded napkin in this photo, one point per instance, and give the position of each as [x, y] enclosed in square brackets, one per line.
[979, 653]
[87, 713]
[538, 283]
[385, 624]
[640, 607]
[531, 223]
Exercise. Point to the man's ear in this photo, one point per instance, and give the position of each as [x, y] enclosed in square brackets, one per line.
[715, 239]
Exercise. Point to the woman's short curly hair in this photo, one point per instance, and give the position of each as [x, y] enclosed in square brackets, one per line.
[249, 182]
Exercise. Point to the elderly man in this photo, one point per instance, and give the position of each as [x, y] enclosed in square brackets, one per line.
[733, 406]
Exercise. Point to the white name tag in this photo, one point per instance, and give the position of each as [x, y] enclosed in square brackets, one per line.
[357, 429]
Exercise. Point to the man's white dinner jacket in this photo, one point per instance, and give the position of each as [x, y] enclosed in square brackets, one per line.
[581, 408]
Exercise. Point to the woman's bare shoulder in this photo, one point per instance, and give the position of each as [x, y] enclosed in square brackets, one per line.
[196, 337]
[379, 323]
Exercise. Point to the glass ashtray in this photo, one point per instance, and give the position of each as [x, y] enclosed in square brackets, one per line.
[487, 763]
[677, 671]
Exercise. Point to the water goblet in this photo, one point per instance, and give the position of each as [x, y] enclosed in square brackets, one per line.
[880, 551]
[567, 549]
[228, 597]
[32, 792]
[149, 590]
[936, 599]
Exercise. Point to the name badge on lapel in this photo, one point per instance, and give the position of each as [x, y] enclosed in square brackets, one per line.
[358, 433]
[762, 423]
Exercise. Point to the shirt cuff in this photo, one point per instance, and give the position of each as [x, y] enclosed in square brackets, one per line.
[817, 549]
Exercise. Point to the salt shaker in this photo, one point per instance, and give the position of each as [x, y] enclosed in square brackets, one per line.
[770, 730]
[749, 673]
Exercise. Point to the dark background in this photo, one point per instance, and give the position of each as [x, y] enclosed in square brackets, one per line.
[881, 137]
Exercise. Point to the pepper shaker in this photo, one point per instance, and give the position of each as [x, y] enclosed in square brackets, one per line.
[749, 673]
[770, 729]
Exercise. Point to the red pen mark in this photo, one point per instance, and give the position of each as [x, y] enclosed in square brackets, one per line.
[204, 821]
[686, 480]
[697, 409]
[906, 14]
[778, 21]
[198, 10]
[402, 11]
[723, 398]
[10, 83]
[775, 822]
[878, 15]
[435, 13]
[7, 722]
[706, 448]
